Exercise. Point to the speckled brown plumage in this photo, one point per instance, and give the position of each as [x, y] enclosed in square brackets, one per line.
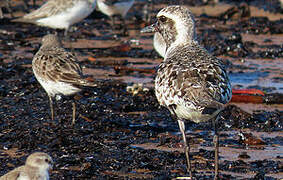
[194, 80]
[190, 82]
[57, 70]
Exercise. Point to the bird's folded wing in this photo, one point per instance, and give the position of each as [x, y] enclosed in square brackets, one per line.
[14, 174]
[46, 10]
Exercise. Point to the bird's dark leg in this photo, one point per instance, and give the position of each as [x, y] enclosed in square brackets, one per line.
[187, 147]
[25, 5]
[51, 107]
[124, 27]
[66, 35]
[8, 6]
[216, 146]
[113, 22]
[1, 13]
[74, 112]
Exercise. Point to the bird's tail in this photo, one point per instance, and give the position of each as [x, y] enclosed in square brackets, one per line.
[84, 82]
[23, 20]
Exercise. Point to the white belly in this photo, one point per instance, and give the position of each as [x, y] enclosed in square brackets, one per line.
[52, 88]
[68, 17]
[117, 9]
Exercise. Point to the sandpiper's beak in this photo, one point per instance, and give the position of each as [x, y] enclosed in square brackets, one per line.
[151, 28]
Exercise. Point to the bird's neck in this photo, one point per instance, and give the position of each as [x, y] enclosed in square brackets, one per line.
[41, 171]
[51, 45]
[182, 36]
[44, 173]
[181, 41]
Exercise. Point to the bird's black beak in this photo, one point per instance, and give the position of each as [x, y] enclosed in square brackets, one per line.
[149, 29]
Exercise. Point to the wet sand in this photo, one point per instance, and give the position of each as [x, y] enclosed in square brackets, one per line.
[120, 135]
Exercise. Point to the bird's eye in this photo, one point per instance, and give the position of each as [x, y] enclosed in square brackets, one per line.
[162, 19]
[46, 160]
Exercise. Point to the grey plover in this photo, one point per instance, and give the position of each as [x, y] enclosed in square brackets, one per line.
[59, 14]
[36, 168]
[58, 71]
[114, 8]
[190, 82]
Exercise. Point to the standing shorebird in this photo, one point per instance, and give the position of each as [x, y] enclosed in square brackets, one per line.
[36, 168]
[190, 82]
[58, 71]
[59, 14]
[114, 8]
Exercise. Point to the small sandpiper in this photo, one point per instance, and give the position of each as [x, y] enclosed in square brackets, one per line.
[58, 71]
[36, 168]
[114, 8]
[59, 14]
[190, 82]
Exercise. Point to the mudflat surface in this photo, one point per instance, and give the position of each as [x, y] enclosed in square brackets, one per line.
[124, 133]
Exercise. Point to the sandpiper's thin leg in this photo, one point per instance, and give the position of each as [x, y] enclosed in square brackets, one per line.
[51, 107]
[8, 6]
[112, 18]
[1, 13]
[124, 27]
[66, 35]
[74, 113]
[216, 146]
[25, 5]
[187, 146]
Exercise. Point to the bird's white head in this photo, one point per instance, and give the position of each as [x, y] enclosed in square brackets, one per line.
[40, 160]
[176, 24]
